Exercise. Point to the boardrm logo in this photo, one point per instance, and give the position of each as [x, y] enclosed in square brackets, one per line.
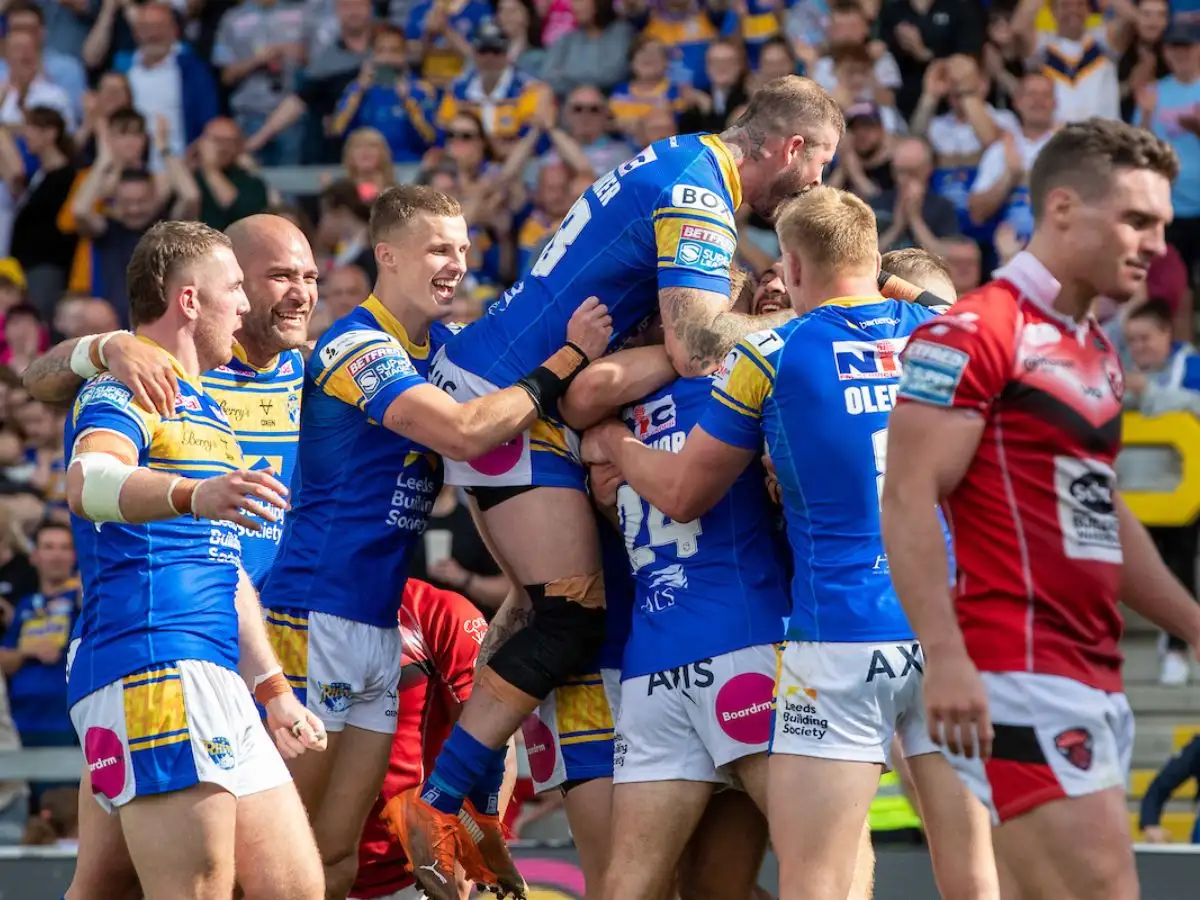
[859, 360]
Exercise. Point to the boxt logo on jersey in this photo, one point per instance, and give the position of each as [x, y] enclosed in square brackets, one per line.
[867, 360]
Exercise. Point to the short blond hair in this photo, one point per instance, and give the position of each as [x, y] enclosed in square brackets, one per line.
[159, 256]
[917, 266]
[830, 229]
[398, 206]
[787, 106]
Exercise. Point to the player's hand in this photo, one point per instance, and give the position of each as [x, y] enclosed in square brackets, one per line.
[604, 480]
[956, 704]
[294, 728]
[772, 481]
[144, 369]
[590, 328]
[595, 448]
[238, 496]
[1155, 834]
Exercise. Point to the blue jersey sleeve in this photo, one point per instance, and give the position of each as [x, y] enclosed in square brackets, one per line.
[367, 369]
[694, 231]
[740, 390]
[107, 404]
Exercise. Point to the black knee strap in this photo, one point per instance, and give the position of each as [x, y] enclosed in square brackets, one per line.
[562, 637]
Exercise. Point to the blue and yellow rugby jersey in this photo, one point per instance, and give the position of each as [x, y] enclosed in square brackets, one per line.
[662, 219]
[161, 591]
[706, 587]
[629, 102]
[362, 494]
[263, 406]
[619, 592]
[759, 23]
[819, 390]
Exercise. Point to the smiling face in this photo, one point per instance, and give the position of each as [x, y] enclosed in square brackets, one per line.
[427, 258]
[281, 285]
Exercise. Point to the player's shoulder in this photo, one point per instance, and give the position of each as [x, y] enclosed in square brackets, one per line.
[355, 331]
[693, 176]
[105, 390]
[988, 313]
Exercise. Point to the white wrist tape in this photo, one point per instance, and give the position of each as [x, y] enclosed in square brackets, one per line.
[104, 339]
[81, 358]
[103, 477]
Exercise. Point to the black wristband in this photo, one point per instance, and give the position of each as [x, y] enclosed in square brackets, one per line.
[882, 278]
[546, 385]
[927, 299]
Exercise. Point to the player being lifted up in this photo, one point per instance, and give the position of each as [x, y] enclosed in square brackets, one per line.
[656, 235]
[169, 730]
[817, 392]
[372, 432]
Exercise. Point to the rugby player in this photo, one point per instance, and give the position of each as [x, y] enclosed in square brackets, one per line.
[171, 737]
[259, 390]
[818, 390]
[1010, 417]
[927, 271]
[373, 431]
[656, 235]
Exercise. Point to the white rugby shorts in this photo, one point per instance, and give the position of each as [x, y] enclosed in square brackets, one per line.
[690, 723]
[344, 672]
[847, 701]
[1054, 738]
[172, 726]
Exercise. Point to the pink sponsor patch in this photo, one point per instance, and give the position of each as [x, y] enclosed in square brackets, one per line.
[105, 761]
[744, 708]
[539, 747]
[500, 460]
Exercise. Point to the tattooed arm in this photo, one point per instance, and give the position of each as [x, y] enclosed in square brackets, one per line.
[143, 368]
[700, 329]
[49, 377]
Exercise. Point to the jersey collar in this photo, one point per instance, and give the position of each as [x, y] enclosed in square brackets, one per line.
[392, 326]
[728, 168]
[194, 382]
[1031, 277]
[239, 353]
[853, 301]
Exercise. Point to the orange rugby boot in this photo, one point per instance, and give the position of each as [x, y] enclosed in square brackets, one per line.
[487, 834]
[431, 841]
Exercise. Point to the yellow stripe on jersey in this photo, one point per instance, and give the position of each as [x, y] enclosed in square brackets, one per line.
[714, 239]
[729, 169]
[549, 436]
[748, 383]
[155, 715]
[582, 713]
[758, 27]
[186, 442]
[289, 639]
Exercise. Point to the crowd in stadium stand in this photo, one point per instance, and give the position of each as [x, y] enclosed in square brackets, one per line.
[115, 114]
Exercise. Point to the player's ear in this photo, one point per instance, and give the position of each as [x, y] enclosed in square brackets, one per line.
[385, 255]
[793, 148]
[189, 301]
[878, 263]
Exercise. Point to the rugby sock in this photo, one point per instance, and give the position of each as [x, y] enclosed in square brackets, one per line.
[460, 766]
[485, 796]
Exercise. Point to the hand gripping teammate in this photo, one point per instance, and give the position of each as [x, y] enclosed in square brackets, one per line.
[260, 388]
[1010, 417]
[170, 734]
[817, 391]
[373, 430]
[656, 235]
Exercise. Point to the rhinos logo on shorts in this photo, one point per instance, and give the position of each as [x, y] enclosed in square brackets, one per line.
[220, 752]
[335, 696]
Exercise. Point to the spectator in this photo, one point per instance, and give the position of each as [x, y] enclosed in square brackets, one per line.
[41, 426]
[25, 87]
[111, 32]
[917, 32]
[341, 291]
[1180, 768]
[228, 190]
[725, 68]
[964, 262]
[775, 60]
[112, 94]
[504, 98]
[585, 122]
[1141, 61]
[115, 231]
[60, 69]
[386, 99]
[686, 27]
[468, 145]
[1171, 109]
[521, 24]
[1004, 62]
[595, 54]
[657, 125]
[14, 795]
[910, 214]
[67, 24]
[849, 27]
[332, 64]
[33, 651]
[168, 80]
[77, 316]
[551, 201]
[45, 252]
[1077, 58]
[648, 89]
[343, 227]
[56, 823]
[259, 49]
[853, 77]
[367, 161]
[439, 33]
[18, 577]
[24, 337]
[1001, 188]
[865, 164]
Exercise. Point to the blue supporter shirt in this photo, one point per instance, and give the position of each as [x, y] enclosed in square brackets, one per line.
[662, 219]
[263, 406]
[819, 390]
[161, 591]
[1176, 99]
[706, 587]
[362, 493]
[35, 691]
